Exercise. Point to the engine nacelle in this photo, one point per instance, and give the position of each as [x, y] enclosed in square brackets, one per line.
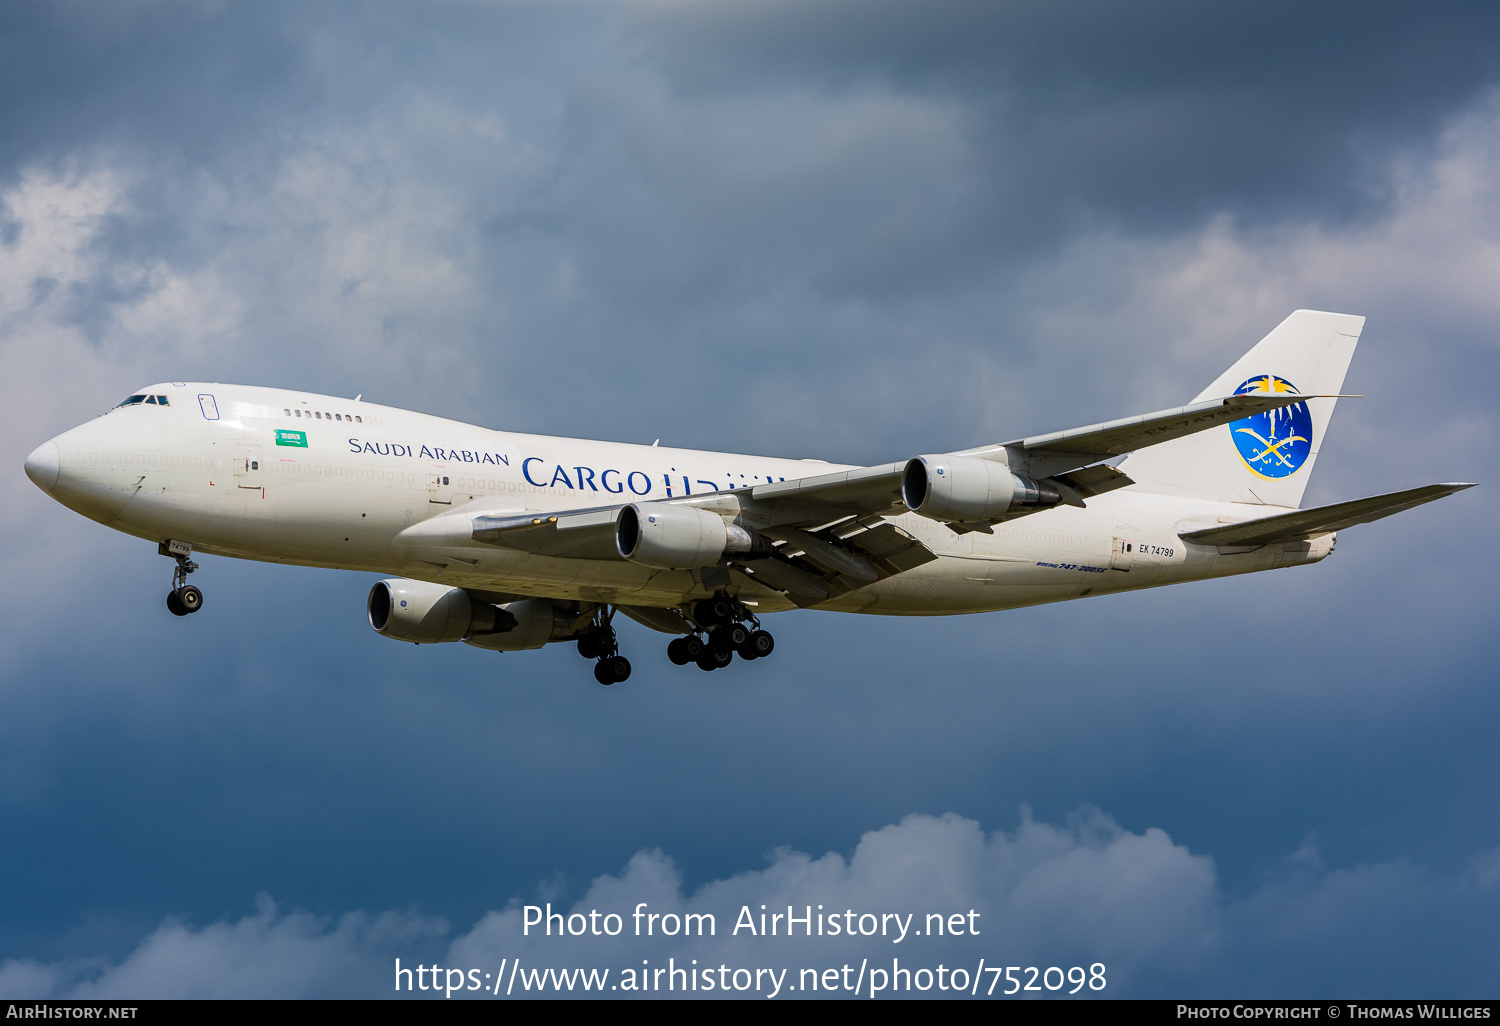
[524, 624]
[967, 488]
[427, 614]
[680, 537]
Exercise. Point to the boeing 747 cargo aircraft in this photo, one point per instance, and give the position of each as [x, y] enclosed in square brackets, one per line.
[509, 541]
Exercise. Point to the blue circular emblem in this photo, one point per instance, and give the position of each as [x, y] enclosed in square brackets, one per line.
[1276, 443]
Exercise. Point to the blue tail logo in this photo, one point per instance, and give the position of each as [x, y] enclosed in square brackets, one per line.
[1276, 443]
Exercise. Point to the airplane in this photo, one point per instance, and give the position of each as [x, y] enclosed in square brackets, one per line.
[509, 542]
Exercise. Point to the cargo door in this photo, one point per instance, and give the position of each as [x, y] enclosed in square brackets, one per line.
[247, 465]
[439, 490]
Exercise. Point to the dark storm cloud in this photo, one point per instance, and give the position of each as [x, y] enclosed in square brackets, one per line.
[185, 78]
[1149, 113]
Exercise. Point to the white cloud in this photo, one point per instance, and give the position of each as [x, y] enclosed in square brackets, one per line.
[287, 955]
[1077, 893]
[1084, 891]
[1066, 895]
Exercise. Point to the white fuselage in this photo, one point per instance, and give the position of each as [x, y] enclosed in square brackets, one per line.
[223, 468]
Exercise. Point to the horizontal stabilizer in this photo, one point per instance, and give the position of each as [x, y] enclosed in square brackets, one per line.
[1321, 520]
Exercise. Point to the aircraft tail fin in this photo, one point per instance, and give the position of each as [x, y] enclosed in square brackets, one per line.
[1266, 458]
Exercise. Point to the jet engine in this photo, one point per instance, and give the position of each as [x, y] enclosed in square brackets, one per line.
[966, 488]
[676, 537]
[428, 614]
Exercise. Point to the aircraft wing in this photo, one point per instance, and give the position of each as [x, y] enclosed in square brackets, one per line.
[1322, 519]
[806, 566]
[829, 530]
[866, 490]
[1045, 455]
[1065, 457]
[570, 534]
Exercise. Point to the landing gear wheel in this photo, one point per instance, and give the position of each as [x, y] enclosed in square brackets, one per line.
[598, 642]
[736, 634]
[716, 610]
[714, 658]
[189, 598]
[174, 605]
[761, 643]
[676, 653]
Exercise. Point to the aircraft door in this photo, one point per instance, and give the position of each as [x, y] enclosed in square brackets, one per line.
[247, 465]
[1122, 553]
[438, 488]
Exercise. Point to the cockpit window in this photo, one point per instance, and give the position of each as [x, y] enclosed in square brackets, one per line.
[161, 400]
[154, 400]
[133, 400]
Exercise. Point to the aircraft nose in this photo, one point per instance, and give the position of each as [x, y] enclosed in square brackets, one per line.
[41, 466]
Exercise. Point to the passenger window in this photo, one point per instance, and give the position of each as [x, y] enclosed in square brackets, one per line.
[358, 419]
[318, 415]
[287, 412]
[337, 417]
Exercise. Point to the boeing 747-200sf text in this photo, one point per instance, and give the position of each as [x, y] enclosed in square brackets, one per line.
[508, 541]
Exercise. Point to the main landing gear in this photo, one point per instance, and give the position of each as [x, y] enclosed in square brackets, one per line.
[184, 598]
[598, 642]
[729, 628]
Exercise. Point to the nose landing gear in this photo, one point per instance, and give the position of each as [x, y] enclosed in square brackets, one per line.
[184, 598]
